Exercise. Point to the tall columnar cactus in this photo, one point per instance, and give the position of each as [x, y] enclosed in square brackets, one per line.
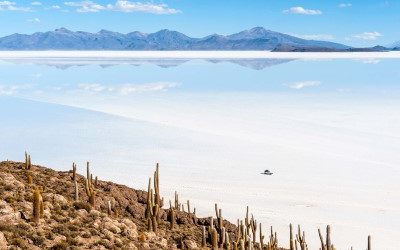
[328, 245]
[253, 226]
[76, 191]
[29, 179]
[28, 162]
[301, 239]
[73, 172]
[90, 190]
[109, 210]
[214, 239]
[37, 206]
[241, 244]
[188, 206]
[154, 202]
[171, 216]
[177, 204]
[218, 214]
[227, 241]
[291, 237]
[149, 206]
[203, 237]
[273, 241]
[261, 238]
[369, 243]
[88, 173]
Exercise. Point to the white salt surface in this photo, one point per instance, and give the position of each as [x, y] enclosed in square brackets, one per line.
[334, 163]
[335, 158]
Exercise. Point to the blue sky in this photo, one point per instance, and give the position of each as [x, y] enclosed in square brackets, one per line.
[354, 22]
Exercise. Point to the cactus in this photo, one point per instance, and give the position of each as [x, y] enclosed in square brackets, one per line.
[76, 191]
[90, 192]
[154, 203]
[301, 239]
[273, 241]
[172, 216]
[177, 205]
[29, 179]
[253, 226]
[214, 239]
[241, 244]
[74, 172]
[37, 206]
[28, 162]
[148, 211]
[369, 242]
[328, 245]
[203, 237]
[227, 241]
[291, 237]
[109, 211]
[261, 238]
[218, 214]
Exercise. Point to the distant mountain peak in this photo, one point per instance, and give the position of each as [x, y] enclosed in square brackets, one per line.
[62, 30]
[257, 38]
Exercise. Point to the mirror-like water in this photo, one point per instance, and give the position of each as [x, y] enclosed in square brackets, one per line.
[328, 129]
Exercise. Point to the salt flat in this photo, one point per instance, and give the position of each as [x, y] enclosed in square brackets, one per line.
[331, 140]
[195, 54]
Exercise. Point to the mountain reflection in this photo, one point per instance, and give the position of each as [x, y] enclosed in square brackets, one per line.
[64, 63]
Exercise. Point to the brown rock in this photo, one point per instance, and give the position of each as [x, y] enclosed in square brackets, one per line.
[3, 241]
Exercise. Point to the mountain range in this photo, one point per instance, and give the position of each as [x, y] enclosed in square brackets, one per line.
[256, 38]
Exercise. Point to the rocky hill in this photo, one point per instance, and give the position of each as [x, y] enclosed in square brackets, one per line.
[41, 208]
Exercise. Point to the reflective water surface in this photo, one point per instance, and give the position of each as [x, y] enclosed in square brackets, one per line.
[328, 129]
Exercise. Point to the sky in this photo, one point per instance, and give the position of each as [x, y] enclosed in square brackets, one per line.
[353, 22]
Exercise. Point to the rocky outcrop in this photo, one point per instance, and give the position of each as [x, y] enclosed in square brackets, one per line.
[67, 223]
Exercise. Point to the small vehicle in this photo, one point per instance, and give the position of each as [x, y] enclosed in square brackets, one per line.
[267, 172]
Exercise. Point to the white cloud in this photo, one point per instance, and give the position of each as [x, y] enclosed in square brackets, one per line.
[303, 84]
[12, 6]
[345, 5]
[129, 88]
[55, 7]
[36, 3]
[127, 6]
[302, 11]
[368, 36]
[86, 6]
[123, 6]
[94, 87]
[11, 89]
[150, 87]
[315, 36]
[369, 61]
[34, 20]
